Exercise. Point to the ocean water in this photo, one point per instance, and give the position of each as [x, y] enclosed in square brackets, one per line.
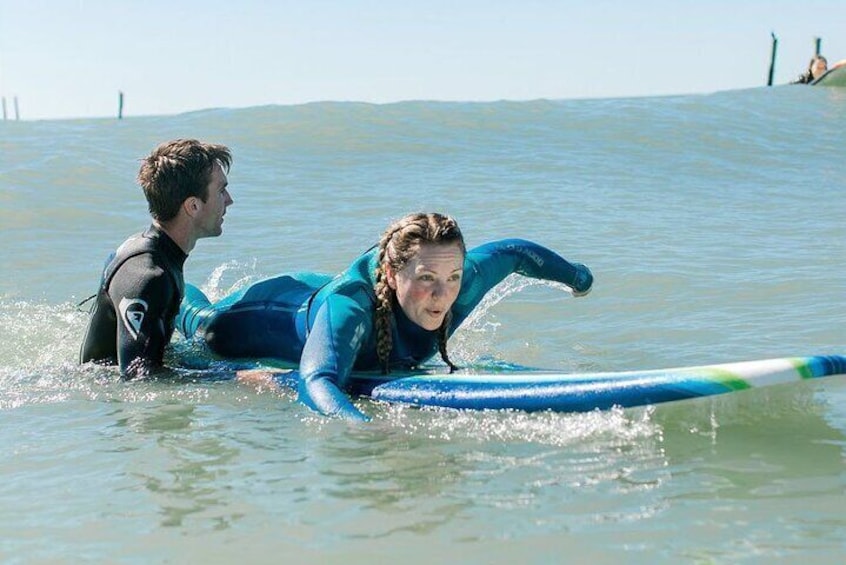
[714, 225]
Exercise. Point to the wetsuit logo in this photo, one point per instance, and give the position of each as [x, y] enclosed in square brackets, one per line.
[132, 312]
[355, 341]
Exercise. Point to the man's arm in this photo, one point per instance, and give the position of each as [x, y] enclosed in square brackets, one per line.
[142, 294]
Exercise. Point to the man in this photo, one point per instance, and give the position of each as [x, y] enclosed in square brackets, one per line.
[131, 322]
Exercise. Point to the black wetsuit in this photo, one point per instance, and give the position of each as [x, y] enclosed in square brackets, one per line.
[132, 316]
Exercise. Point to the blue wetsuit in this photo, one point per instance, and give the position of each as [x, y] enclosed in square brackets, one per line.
[326, 323]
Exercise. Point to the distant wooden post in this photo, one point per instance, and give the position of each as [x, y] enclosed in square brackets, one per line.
[4, 108]
[120, 105]
[817, 43]
[17, 114]
[772, 59]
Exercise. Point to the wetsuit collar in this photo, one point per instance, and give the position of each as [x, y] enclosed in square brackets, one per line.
[170, 248]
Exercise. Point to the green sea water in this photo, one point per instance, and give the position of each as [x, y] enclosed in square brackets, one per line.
[714, 225]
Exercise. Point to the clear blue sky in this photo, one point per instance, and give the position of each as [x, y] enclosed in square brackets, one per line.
[69, 58]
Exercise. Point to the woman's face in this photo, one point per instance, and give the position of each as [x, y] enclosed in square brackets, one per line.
[428, 285]
[819, 68]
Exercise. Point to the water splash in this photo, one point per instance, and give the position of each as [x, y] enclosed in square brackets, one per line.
[615, 426]
[476, 338]
[39, 348]
[245, 274]
[35, 335]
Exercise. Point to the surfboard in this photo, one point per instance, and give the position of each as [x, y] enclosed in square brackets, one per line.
[534, 390]
[835, 76]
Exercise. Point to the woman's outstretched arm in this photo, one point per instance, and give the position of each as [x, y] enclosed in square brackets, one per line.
[487, 265]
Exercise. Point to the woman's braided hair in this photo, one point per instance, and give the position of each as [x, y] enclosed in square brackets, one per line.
[398, 245]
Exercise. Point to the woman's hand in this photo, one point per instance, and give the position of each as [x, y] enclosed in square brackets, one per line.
[583, 282]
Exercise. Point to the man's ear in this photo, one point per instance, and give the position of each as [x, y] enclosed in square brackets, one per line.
[191, 206]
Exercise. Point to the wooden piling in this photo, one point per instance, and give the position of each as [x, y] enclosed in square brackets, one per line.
[120, 105]
[772, 59]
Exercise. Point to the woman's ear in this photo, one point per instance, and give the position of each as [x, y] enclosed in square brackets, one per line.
[390, 277]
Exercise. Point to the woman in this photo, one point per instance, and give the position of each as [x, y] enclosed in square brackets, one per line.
[816, 68]
[395, 306]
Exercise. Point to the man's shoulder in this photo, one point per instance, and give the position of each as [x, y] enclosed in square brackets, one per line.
[142, 242]
[142, 269]
[141, 266]
[140, 279]
[137, 251]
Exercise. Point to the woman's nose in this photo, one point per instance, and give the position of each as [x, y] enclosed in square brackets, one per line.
[437, 289]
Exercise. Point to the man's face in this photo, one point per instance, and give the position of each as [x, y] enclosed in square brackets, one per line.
[209, 216]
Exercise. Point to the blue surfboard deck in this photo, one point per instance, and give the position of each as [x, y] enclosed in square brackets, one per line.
[534, 390]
